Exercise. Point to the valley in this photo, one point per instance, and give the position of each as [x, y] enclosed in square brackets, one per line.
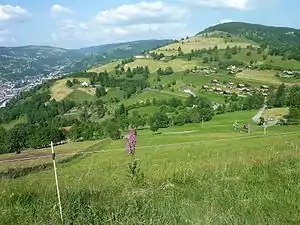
[216, 119]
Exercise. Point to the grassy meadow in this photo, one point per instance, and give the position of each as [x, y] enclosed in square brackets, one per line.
[150, 94]
[191, 174]
[176, 64]
[60, 91]
[108, 67]
[276, 113]
[200, 42]
[265, 76]
[13, 123]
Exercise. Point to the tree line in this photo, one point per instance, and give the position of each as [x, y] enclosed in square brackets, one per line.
[280, 41]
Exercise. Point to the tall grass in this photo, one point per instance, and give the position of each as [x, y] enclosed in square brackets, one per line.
[251, 181]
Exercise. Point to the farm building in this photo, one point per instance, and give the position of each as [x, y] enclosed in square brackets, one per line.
[226, 92]
[215, 81]
[218, 89]
[85, 84]
[264, 87]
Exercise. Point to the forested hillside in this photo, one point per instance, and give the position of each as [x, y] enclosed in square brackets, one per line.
[18, 62]
[281, 41]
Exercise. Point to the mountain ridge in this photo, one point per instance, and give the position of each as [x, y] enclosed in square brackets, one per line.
[281, 41]
[87, 47]
[33, 60]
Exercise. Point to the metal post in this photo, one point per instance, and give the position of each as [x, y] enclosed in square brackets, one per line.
[56, 181]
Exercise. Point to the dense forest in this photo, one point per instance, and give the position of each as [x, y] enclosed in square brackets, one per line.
[281, 41]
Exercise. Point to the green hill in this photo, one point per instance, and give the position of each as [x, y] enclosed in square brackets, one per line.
[200, 42]
[217, 122]
[282, 41]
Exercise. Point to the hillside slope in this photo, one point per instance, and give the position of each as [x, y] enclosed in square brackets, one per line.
[18, 62]
[199, 42]
[281, 41]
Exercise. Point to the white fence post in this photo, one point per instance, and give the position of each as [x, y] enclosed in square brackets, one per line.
[56, 181]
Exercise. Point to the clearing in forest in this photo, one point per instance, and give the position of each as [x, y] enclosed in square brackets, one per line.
[60, 90]
[200, 42]
[176, 64]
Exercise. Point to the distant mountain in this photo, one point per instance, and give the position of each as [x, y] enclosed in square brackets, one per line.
[18, 62]
[281, 41]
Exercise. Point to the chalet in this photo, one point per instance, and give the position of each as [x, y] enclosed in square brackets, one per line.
[215, 81]
[205, 87]
[241, 85]
[84, 84]
[265, 87]
[206, 71]
[218, 89]
[230, 85]
[226, 92]
[288, 72]
[231, 68]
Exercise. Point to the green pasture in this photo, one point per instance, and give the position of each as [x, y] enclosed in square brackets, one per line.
[192, 174]
[13, 123]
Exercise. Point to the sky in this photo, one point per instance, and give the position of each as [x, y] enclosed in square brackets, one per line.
[81, 23]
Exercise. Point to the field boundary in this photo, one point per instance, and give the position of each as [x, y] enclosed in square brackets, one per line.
[19, 172]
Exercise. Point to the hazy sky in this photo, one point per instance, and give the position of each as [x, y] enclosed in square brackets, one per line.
[79, 23]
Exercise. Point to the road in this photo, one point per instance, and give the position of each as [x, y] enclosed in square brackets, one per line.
[165, 92]
[256, 118]
[259, 114]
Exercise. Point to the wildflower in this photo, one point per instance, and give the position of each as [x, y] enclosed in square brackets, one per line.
[131, 142]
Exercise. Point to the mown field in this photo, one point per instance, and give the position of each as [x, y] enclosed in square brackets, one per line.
[108, 67]
[191, 174]
[176, 64]
[60, 90]
[265, 76]
[200, 42]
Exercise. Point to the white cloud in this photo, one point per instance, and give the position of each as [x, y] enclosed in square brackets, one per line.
[13, 13]
[90, 33]
[57, 10]
[142, 13]
[6, 36]
[144, 20]
[234, 4]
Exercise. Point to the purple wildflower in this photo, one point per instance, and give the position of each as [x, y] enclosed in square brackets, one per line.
[131, 142]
